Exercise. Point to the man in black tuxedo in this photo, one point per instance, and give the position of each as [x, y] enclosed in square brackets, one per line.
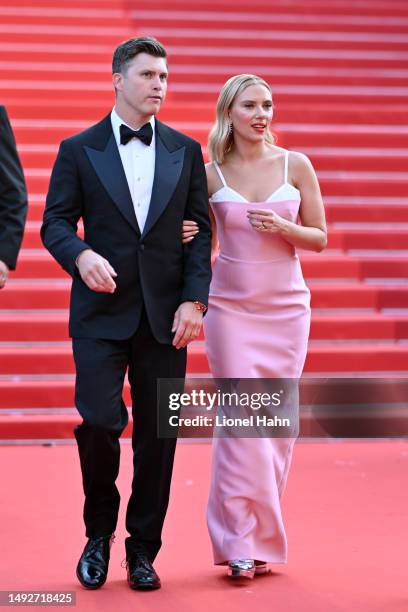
[13, 199]
[137, 300]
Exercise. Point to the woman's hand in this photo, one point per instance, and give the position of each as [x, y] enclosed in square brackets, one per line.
[265, 220]
[4, 271]
[190, 229]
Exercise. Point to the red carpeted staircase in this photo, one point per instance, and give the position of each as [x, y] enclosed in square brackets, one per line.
[338, 71]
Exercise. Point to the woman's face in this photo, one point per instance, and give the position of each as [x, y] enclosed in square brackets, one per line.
[251, 113]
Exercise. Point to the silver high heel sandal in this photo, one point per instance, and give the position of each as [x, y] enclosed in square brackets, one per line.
[238, 568]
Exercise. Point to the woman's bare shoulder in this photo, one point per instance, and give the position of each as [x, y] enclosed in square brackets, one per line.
[299, 160]
[210, 169]
[213, 179]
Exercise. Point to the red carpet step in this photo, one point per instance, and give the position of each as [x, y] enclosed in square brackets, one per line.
[56, 358]
[39, 264]
[47, 326]
[353, 295]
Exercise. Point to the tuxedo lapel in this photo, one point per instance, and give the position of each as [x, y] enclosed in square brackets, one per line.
[108, 166]
[167, 172]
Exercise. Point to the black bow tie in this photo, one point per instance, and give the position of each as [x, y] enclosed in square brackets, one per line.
[145, 134]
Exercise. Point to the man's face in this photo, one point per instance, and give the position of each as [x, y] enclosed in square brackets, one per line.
[142, 86]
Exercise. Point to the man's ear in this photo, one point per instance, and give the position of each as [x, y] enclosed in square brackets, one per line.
[117, 81]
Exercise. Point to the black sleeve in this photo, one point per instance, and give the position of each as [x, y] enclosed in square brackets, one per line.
[13, 195]
[197, 254]
[63, 211]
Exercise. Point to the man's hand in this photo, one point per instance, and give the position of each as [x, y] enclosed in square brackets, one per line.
[186, 324]
[4, 271]
[96, 272]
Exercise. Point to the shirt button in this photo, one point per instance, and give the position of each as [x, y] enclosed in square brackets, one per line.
[138, 204]
[138, 178]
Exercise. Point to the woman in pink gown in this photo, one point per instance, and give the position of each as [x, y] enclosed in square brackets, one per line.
[258, 320]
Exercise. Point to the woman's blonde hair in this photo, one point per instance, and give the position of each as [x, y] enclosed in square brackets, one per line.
[221, 137]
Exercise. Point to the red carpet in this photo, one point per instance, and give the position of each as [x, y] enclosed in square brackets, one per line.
[345, 510]
[338, 73]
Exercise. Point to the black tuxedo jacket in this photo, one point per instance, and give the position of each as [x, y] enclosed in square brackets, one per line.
[88, 181]
[13, 195]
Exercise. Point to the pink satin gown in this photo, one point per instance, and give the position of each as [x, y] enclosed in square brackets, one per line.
[257, 326]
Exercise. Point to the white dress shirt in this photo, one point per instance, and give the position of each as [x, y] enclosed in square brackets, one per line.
[138, 163]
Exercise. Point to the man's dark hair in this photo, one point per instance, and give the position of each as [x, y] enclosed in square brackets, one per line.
[127, 50]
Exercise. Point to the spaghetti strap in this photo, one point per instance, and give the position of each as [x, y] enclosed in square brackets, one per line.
[285, 173]
[216, 166]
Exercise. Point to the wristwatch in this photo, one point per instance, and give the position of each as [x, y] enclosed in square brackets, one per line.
[200, 306]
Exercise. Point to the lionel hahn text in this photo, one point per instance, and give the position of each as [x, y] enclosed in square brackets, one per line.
[223, 421]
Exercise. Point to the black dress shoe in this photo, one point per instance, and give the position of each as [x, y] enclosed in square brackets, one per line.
[92, 568]
[141, 573]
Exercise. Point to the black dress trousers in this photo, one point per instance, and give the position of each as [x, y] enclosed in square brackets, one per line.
[101, 367]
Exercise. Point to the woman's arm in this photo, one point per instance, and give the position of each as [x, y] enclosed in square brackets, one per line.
[190, 228]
